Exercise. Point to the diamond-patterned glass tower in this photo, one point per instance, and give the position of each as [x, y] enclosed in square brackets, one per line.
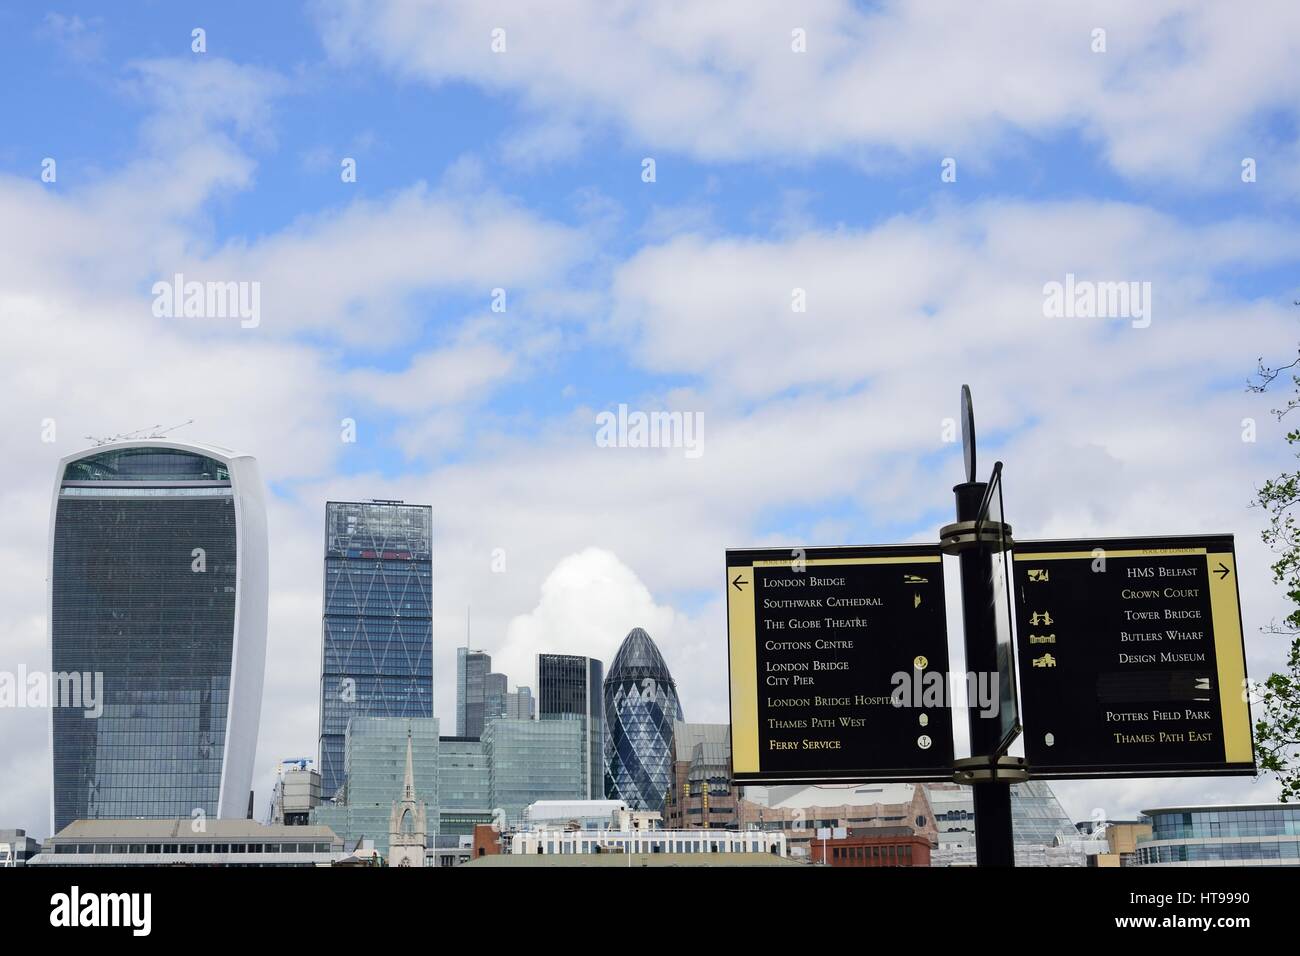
[377, 627]
[640, 707]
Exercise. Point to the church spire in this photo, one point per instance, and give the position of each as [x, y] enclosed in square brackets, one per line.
[407, 826]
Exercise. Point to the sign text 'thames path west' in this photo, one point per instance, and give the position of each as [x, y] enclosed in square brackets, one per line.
[817, 640]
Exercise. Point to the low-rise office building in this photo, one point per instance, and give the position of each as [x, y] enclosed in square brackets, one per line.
[16, 848]
[1257, 834]
[634, 832]
[625, 861]
[553, 840]
[187, 842]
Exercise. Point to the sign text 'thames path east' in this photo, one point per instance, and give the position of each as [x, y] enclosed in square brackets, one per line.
[1131, 657]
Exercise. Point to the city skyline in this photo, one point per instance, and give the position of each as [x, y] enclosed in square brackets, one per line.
[472, 278]
[90, 453]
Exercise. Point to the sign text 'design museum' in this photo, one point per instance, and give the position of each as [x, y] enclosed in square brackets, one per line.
[817, 641]
[1131, 657]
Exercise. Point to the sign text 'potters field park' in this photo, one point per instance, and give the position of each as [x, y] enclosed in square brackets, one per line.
[1131, 657]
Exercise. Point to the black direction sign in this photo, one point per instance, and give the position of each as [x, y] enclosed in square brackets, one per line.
[1131, 657]
[822, 642]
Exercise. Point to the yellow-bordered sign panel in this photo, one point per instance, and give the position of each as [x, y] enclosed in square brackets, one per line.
[1132, 659]
[837, 659]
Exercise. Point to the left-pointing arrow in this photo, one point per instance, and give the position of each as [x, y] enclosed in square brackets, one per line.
[737, 583]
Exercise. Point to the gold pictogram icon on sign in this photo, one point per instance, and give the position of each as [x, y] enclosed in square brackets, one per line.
[1041, 617]
[1038, 575]
[920, 662]
[1042, 638]
[1047, 660]
[915, 579]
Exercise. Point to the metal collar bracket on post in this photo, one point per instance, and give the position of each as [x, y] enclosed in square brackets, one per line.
[980, 770]
[960, 535]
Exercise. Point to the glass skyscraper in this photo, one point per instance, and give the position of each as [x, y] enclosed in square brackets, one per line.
[569, 687]
[530, 760]
[464, 786]
[157, 582]
[640, 707]
[472, 669]
[375, 754]
[377, 621]
[520, 704]
[495, 691]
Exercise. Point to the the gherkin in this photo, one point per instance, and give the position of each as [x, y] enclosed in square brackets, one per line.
[640, 707]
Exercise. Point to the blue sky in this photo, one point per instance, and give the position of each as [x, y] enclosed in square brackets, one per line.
[775, 170]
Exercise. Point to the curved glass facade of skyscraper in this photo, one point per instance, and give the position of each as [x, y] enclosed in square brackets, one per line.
[640, 707]
[157, 587]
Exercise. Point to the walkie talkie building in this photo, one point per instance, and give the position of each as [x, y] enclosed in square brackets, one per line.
[640, 707]
[158, 582]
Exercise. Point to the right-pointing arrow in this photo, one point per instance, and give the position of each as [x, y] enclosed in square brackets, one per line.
[1221, 570]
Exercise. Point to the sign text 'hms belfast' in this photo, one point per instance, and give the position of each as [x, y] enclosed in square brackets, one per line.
[1131, 657]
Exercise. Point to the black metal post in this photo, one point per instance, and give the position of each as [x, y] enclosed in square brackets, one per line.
[994, 844]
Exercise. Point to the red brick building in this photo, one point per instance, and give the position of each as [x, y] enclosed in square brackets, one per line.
[487, 840]
[873, 848]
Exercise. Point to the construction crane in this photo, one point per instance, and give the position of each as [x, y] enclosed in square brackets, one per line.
[154, 431]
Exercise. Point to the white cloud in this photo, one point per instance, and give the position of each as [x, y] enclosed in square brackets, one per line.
[352, 273]
[820, 424]
[1177, 96]
[588, 604]
[436, 378]
[82, 40]
[958, 288]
